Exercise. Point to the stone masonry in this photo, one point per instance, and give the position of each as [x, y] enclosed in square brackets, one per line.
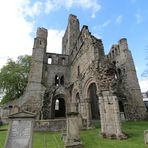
[82, 79]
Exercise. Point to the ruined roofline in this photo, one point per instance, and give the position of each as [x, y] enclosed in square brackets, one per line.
[85, 27]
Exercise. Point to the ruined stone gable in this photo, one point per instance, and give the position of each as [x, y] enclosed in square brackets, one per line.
[77, 79]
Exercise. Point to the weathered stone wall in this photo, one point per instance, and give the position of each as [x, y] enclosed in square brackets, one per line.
[50, 125]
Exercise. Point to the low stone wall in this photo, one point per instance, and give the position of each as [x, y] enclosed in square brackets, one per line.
[50, 125]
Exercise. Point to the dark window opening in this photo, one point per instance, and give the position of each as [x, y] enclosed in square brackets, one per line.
[116, 51]
[113, 53]
[40, 42]
[114, 62]
[10, 106]
[62, 80]
[121, 106]
[119, 71]
[78, 70]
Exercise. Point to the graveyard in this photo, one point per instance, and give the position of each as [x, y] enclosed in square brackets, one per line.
[90, 138]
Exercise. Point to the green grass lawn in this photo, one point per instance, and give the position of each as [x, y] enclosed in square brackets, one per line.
[91, 138]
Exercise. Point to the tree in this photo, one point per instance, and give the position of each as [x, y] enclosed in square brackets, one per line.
[14, 77]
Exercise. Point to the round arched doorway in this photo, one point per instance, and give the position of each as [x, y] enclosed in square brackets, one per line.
[91, 93]
[58, 107]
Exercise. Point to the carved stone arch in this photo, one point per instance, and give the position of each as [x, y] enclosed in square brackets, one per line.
[90, 95]
[58, 106]
[86, 86]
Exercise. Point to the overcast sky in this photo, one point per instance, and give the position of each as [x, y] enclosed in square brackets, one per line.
[108, 20]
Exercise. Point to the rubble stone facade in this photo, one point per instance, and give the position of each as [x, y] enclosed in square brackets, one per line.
[83, 79]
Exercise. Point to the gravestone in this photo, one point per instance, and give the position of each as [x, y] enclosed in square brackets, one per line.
[72, 139]
[146, 137]
[20, 130]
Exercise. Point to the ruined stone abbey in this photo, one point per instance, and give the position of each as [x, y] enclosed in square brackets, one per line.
[83, 79]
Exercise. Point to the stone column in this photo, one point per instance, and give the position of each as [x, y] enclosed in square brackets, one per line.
[88, 112]
[102, 113]
[73, 131]
[110, 116]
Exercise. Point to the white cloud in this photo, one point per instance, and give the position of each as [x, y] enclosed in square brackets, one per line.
[105, 24]
[55, 40]
[119, 19]
[31, 10]
[144, 84]
[15, 31]
[138, 18]
[93, 5]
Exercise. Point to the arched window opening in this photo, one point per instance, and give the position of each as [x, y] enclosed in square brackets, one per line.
[49, 60]
[57, 104]
[63, 61]
[114, 62]
[56, 80]
[116, 51]
[95, 113]
[113, 53]
[119, 72]
[77, 103]
[78, 70]
[59, 108]
[62, 80]
[121, 106]
[115, 76]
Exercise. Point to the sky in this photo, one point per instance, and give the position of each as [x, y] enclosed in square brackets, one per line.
[108, 20]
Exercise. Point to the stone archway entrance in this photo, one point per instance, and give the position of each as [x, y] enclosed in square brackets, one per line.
[58, 107]
[91, 93]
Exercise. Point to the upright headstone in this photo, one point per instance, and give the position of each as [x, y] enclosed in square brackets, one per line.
[146, 137]
[20, 131]
[72, 139]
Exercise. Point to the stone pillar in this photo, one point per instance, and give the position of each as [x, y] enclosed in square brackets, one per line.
[110, 116]
[102, 113]
[20, 130]
[73, 131]
[88, 112]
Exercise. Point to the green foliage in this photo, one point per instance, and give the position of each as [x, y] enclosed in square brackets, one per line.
[13, 78]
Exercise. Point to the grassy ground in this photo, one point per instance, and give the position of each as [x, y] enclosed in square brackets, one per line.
[91, 138]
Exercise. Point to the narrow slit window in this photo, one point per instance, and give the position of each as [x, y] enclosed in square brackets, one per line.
[78, 70]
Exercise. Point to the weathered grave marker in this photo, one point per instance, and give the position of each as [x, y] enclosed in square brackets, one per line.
[146, 137]
[72, 139]
[20, 130]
